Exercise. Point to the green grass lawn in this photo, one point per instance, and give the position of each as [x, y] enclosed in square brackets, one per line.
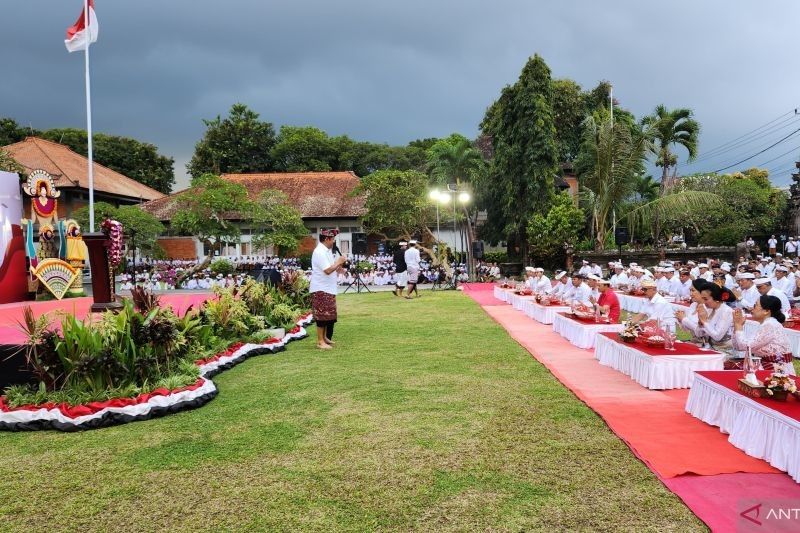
[426, 416]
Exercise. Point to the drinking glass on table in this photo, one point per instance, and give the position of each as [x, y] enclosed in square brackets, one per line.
[669, 337]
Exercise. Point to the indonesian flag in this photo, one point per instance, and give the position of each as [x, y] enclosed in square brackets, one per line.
[78, 34]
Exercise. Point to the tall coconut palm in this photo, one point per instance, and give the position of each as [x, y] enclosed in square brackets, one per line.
[674, 127]
[670, 128]
[456, 160]
[608, 163]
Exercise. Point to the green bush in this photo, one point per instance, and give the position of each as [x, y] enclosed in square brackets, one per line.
[305, 260]
[725, 235]
[222, 266]
[495, 257]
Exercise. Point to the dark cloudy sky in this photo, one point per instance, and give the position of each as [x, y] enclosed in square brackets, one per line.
[395, 71]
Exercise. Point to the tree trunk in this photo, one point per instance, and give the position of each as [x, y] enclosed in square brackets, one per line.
[664, 174]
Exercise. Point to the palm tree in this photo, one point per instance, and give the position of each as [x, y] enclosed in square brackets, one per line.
[456, 160]
[645, 188]
[674, 127]
[608, 165]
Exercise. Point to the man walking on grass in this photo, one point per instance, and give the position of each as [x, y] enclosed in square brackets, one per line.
[401, 278]
[412, 267]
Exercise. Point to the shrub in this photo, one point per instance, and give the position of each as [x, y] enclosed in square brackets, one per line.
[222, 266]
[495, 257]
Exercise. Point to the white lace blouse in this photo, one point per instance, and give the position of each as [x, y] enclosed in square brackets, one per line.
[770, 339]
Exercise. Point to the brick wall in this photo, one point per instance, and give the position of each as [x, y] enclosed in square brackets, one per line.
[179, 247]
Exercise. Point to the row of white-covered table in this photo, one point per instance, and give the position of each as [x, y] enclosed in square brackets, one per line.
[656, 368]
[581, 333]
[762, 428]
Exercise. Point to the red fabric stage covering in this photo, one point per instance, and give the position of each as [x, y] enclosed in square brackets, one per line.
[11, 314]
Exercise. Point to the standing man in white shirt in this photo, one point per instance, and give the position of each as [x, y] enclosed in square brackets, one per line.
[772, 244]
[412, 267]
[323, 287]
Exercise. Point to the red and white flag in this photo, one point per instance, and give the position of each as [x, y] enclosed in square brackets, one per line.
[78, 35]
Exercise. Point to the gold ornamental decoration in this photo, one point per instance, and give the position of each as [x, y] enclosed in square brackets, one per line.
[56, 275]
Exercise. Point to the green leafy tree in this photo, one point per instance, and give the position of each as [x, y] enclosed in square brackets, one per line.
[751, 206]
[135, 159]
[276, 222]
[397, 204]
[569, 112]
[645, 188]
[138, 224]
[206, 210]
[455, 160]
[11, 132]
[240, 143]
[303, 149]
[548, 233]
[522, 129]
[9, 164]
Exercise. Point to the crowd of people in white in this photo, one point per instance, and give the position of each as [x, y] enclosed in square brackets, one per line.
[161, 275]
[718, 297]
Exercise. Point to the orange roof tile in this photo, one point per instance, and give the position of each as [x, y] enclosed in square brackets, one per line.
[314, 194]
[69, 169]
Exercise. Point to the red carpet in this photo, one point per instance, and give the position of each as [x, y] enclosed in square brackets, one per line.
[653, 424]
[11, 314]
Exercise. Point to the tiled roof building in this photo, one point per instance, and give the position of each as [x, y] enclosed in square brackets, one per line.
[324, 200]
[69, 170]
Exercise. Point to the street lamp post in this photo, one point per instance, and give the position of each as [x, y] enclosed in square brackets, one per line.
[436, 196]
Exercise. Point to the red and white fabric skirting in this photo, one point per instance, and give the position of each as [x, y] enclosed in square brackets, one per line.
[654, 372]
[581, 334]
[157, 403]
[754, 428]
[504, 295]
[543, 314]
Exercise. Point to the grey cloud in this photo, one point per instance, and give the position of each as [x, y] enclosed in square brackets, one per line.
[390, 71]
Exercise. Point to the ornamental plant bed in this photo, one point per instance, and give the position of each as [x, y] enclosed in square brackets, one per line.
[139, 350]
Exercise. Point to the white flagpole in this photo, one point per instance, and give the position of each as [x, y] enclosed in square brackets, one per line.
[88, 33]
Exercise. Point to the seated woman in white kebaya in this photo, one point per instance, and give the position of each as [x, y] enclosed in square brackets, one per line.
[770, 341]
[714, 318]
[688, 318]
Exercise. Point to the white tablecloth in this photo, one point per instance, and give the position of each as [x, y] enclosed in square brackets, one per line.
[755, 429]
[655, 372]
[580, 334]
[543, 314]
[635, 304]
[518, 302]
[504, 295]
[631, 304]
[751, 326]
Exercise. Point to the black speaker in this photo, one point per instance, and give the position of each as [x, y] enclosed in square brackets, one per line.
[621, 236]
[360, 243]
[477, 249]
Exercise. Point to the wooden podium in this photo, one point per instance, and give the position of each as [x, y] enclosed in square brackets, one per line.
[103, 289]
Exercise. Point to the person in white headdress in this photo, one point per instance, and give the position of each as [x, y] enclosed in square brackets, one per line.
[764, 286]
[657, 308]
[781, 280]
[704, 272]
[585, 269]
[619, 278]
[542, 282]
[557, 290]
[748, 293]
